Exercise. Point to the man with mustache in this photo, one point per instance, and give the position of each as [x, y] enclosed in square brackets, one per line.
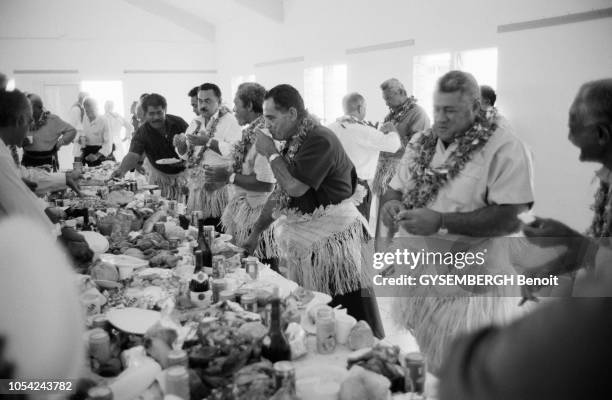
[211, 145]
[154, 139]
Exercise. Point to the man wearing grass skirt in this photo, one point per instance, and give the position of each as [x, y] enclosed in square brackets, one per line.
[209, 146]
[251, 175]
[312, 214]
[457, 190]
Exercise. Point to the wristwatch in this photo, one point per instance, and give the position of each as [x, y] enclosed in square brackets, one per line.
[232, 177]
[273, 157]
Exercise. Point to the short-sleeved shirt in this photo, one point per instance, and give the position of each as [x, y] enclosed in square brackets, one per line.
[256, 164]
[46, 137]
[500, 173]
[415, 120]
[322, 164]
[158, 146]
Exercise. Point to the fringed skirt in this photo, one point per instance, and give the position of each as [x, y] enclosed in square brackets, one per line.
[239, 218]
[323, 249]
[436, 315]
[171, 185]
[385, 170]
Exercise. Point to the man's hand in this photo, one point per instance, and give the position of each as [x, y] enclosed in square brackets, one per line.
[265, 144]
[549, 232]
[388, 127]
[180, 142]
[420, 221]
[197, 140]
[216, 175]
[31, 185]
[251, 244]
[72, 182]
[389, 212]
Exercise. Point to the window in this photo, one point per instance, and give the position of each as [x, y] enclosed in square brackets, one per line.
[237, 80]
[482, 63]
[324, 88]
[103, 91]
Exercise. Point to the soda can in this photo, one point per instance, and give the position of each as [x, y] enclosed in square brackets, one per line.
[218, 267]
[77, 167]
[195, 217]
[178, 357]
[248, 301]
[100, 321]
[160, 228]
[227, 295]
[414, 372]
[218, 285]
[239, 293]
[133, 187]
[177, 381]
[284, 376]
[99, 345]
[252, 268]
[244, 262]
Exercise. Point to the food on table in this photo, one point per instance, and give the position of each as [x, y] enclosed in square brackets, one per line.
[303, 296]
[120, 197]
[362, 384]
[383, 360]
[253, 330]
[152, 220]
[104, 272]
[360, 336]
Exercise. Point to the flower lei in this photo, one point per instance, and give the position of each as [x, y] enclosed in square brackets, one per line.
[197, 160]
[428, 181]
[289, 150]
[40, 122]
[242, 147]
[602, 208]
[350, 119]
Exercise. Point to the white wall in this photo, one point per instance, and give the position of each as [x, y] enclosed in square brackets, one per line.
[101, 39]
[539, 70]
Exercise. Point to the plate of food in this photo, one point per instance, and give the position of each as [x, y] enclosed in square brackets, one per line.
[168, 161]
[97, 243]
[133, 320]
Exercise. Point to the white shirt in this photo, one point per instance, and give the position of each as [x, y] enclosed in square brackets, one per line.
[77, 119]
[39, 302]
[97, 133]
[227, 133]
[256, 164]
[499, 173]
[362, 143]
[15, 197]
[115, 123]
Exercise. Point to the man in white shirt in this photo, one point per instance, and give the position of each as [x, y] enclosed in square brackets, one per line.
[458, 189]
[96, 142]
[115, 124]
[362, 142]
[77, 119]
[210, 146]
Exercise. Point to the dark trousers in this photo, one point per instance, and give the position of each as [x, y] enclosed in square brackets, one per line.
[362, 305]
[40, 158]
[364, 207]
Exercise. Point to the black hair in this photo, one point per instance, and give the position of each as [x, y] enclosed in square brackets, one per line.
[211, 86]
[286, 96]
[153, 100]
[487, 92]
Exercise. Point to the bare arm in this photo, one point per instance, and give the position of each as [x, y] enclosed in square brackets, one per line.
[291, 185]
[497, 220]
[250, 182]
[68, 136]
[130, 161]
